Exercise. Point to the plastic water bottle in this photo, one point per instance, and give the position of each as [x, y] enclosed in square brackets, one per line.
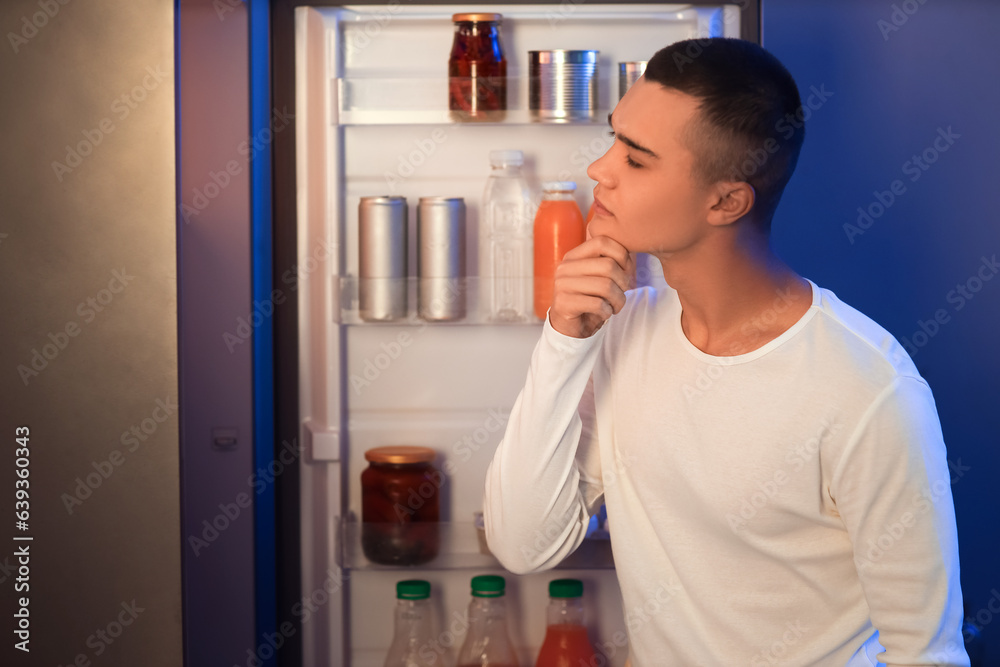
[505, 241]
[415, 642]
[487, 643]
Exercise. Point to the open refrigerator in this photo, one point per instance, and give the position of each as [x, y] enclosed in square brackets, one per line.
[372, 119]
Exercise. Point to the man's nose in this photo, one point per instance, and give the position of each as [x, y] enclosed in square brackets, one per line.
[598, 170]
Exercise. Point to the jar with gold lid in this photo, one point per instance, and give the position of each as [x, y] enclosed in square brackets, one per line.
[400, 505]
[477, 69]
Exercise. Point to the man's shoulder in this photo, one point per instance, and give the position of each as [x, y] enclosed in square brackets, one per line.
[854, 337]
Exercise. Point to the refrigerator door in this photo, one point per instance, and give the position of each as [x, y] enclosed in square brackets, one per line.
[372, 119]
[91, 572]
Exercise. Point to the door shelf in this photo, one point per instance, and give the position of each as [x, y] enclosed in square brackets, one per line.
[420, 100]
[462, 546]
[458, 299]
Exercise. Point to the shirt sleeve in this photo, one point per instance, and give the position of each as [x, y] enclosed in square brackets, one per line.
[892, 488]
[545, 478]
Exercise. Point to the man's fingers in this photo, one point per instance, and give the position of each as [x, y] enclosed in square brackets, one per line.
[601, 246]
[598, 267]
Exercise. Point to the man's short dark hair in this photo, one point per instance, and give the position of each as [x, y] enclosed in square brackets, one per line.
[751, 126]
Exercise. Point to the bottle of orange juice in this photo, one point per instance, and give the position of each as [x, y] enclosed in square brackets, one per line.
[566, 643]
[559, 228]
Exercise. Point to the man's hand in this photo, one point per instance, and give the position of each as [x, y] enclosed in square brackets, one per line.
[590, 286]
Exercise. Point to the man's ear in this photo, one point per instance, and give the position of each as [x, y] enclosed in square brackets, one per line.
[730, 201]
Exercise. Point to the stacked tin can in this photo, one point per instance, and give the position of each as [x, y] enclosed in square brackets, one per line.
[562, 85]
[628, 73]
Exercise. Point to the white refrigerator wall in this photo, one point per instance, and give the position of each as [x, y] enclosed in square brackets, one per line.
[372, 118]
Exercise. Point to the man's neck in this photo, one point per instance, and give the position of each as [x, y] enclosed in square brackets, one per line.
[736, 296]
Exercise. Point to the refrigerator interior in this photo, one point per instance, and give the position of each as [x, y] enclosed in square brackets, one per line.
[372, 119]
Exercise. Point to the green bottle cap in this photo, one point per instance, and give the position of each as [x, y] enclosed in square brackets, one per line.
[565, 588]
[488, 586]
[413, 589]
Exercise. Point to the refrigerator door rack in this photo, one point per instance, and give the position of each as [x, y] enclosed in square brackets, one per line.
[461, 548]
[392, 61]
[423, 101]
[466, 289]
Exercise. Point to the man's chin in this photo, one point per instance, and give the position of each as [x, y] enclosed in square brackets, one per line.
[598, 227]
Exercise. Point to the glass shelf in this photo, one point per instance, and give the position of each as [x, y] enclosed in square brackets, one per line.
[463, 546]
[421, 100]
[458, 300]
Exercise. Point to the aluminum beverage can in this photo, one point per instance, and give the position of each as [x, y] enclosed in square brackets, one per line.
[382, 266]
[441, 258]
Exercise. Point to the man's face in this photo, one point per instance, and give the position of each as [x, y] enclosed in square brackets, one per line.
[647, 196]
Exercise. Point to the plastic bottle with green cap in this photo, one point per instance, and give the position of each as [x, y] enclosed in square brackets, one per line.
[415, 642]
[566, 643]
[487, 642]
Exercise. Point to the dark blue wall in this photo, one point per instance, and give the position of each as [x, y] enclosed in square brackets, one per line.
[893, 92]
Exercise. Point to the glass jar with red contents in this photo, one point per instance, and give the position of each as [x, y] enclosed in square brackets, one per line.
[477, 70]
[400, 505]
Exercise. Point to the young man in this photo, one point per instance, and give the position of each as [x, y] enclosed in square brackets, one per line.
[772, 463]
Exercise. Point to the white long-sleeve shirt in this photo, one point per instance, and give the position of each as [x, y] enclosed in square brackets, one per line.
[789, 506]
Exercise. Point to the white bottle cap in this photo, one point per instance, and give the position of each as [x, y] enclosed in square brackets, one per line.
[559, 186]
[506, 157]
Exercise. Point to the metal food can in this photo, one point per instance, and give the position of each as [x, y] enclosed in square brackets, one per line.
[562, 85]
[628, 74]
[382, 268]
[441, 258]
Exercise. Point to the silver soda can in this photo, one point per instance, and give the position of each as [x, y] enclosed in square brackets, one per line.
[628, 74]
[382, 269]
[441, 258]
